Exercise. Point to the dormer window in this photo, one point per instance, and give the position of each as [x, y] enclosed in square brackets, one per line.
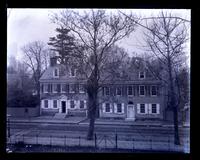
[56, 72]
[141, 75]
[72, 72]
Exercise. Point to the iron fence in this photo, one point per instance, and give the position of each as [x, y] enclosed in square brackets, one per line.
[114, 141]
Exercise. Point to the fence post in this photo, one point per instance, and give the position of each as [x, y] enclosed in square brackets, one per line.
[50, 140]
[95, 140]
[79, 141]
[105, 142]
[151, 143]
[133, 144]
[116, 140]
[169, 144]
[65, 140]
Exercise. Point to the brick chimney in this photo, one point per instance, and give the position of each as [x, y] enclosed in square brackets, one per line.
[53, 61]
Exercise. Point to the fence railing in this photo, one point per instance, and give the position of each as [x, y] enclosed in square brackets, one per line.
[115, 141]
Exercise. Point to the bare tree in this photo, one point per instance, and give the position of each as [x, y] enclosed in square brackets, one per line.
[166, 38]
[35, 57]
[95, 32]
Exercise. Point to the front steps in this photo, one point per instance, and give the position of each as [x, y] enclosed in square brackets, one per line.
[60, 116]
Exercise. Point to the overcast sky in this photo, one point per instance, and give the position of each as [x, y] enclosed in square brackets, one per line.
[27, 25]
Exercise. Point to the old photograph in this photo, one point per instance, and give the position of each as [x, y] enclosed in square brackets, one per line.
[98, 80]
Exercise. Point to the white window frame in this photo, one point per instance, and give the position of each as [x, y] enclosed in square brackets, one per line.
[157, 108]
[71, 91]
[56, 104]
[70, 104]
[139, 90]
[83, 88]
[57, 73]
[139, 108]
[108, 91]
[128, 90]
[156, 91]
[119, 87]
[143, 74]
[144, 108]
[63, 91]
[71, 72]
[47, 104]
[109, 106]
[55, 88]
[46, 88]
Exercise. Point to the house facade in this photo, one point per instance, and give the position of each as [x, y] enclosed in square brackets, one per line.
[138, 96]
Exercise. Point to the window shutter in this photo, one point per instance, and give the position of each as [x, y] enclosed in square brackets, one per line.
[67, 88]
[158, 108]
[85, 105]
[42, 88]
[58, 88]
[146, 108]
[77, 104]
[138, 108]
[145, 90]
[111, 108]
[150, 108]
[122, 107]
[115, 108]
[104, 108]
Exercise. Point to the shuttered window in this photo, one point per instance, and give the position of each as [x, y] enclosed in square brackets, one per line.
[54, 103]
[142, 108]
[82, 104]
[46, 103]
[72, 104]
[153, 90]
[142, 90]
[107, 107]
[130, 90]
[107, 91]
[119, 91]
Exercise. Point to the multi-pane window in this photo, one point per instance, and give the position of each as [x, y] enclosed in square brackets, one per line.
[81, 88]
[55, 72]
[130, 90]
[119, 91]
[81, 104]
[153, 91]
[141, 75]
[107, 90]
[142, 89]
[72, 88]
[63, 88]
[54, 103]
[55, 90]
[119, 108]
[72, 72]
[142, 108]
[72, 104]
[45, 88]
[154, 109]
[107, 107]
[46, 103]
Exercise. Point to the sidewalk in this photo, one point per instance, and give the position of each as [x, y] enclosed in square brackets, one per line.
[85, 121]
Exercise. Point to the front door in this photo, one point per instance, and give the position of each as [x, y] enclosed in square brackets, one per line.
[130, 112]
[63, 104]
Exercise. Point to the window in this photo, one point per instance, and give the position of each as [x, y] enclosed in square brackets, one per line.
[81, 88]
[119, 108]
[72, 88]
[81, 104]
[72, 72]
[72, 104]
[107, 90]
[141, 90]
[119, 91]
[142, 108]
[55, 72]
[55, 88]
[141, 75]
[54, 103]
[45, 88]
[154, 109]
[63, 88]
[153, 91]
[130, 90]
[46, 103]
[107, 107]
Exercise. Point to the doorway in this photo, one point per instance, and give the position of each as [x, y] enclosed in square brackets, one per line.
[130, 112]
[63, 105]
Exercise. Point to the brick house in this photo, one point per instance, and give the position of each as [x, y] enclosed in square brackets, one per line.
[138, 96]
